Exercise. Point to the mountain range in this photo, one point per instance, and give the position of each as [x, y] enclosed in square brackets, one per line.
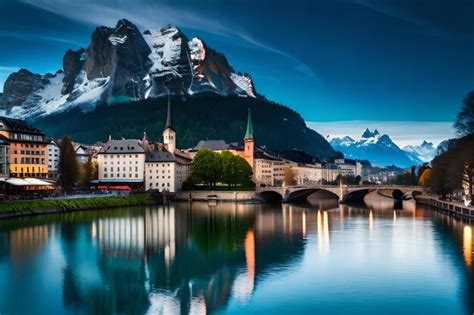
[121, 64]
[120, 83]
[380, 150]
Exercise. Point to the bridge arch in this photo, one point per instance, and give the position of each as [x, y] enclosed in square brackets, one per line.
[270, 196]
[356, 195]
[302, 195]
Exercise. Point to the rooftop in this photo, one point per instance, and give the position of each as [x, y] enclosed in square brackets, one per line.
[122, 146]
[159, 156]
[17, 125]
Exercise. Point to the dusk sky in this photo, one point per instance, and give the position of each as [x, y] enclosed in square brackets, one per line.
[329, 60]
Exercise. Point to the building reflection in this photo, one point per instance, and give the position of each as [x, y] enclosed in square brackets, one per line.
[27, 242]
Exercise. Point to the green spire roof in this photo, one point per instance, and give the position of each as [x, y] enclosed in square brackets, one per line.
[249, 132]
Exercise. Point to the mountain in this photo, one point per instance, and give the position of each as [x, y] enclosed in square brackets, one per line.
[424, 152]
[202, 116]
[379, 149]
[120, 84]
[121, 64]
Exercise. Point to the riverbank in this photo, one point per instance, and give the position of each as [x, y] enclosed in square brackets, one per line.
[36, 207]
[446, 206]
[217, 195]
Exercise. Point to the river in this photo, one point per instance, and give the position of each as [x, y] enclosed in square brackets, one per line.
[238, 259]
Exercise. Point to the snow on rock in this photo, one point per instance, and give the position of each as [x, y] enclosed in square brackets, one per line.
[165, 51]
[117, 40]
[196, 49]
[244, 82]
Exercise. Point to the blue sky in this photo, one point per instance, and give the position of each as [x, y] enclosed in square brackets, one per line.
[329, 60]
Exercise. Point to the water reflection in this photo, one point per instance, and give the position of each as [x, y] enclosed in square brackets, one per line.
[238, 258]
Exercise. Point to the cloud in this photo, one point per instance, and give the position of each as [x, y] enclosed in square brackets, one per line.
[8, 69]
[152, 14]
[402, 132]
[37, 37]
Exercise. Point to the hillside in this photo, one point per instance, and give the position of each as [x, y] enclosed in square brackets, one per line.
[202, 116]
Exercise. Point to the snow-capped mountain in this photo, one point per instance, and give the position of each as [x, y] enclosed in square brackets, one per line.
[122, 64]
[377, 148]
[424, 152]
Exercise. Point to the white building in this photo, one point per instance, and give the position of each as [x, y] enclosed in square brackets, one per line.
[53, 159]
[121, 161]
[160, 171]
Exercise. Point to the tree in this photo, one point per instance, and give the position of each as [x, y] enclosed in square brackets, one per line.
[88, 172]
[357, 180]
[464, 123]
[68, 166]
[289, 177]
[425, 178]
[206, 167]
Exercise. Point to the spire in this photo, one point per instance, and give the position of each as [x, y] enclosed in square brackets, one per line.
[169, 123]
[249, 132]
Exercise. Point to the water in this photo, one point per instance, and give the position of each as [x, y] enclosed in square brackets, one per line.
[238, 259]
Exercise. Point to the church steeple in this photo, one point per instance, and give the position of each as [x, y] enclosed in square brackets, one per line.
[249, 132]
[169, 134]
[169, 121]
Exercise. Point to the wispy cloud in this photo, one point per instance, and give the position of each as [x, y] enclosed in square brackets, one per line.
[36, 37]
[152, 14]
[8, 69]
[402, 132]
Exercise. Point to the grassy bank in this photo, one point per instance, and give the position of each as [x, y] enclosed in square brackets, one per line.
[32, 206]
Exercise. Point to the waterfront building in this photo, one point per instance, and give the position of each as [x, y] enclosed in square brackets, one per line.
[28, 148]
[4, 157]
[53, 159]
[121, 163]
[160, 170]
[183, 167]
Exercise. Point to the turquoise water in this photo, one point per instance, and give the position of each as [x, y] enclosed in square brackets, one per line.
[237, 259]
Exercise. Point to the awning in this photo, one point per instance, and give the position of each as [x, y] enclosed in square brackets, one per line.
[27, 182]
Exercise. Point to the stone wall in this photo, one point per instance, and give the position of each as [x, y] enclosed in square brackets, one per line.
[242, 196]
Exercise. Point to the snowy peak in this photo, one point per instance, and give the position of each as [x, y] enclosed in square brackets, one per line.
[121, 64]
[378, 148]
[424, 152]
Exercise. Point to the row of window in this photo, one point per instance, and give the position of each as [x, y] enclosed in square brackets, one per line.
[118, 162]
[118, 155]
[28, 152]
[124, 169]
[29, 145]
[111, 175]
[29, 161]
[27, 169]
[22, 136]
[158, 177]
[163, 171]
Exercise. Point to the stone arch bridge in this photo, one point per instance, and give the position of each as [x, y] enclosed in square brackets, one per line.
[342, 193]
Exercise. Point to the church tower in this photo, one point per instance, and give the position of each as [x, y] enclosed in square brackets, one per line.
[169, 135]
[249, 143]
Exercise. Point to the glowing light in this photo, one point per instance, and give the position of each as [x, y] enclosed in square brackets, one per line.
[467, 245]
[304, 224]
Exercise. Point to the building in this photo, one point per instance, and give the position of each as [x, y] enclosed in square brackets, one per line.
[183, 167]
[53, 159]
[28, 148]
[169, 134]
[4, 157]
[160, 170]
[249, 143]
[121, 164]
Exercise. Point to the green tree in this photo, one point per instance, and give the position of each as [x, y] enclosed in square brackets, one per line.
[206, 167]
[243, 172]
[68, 166]
[464, 123]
